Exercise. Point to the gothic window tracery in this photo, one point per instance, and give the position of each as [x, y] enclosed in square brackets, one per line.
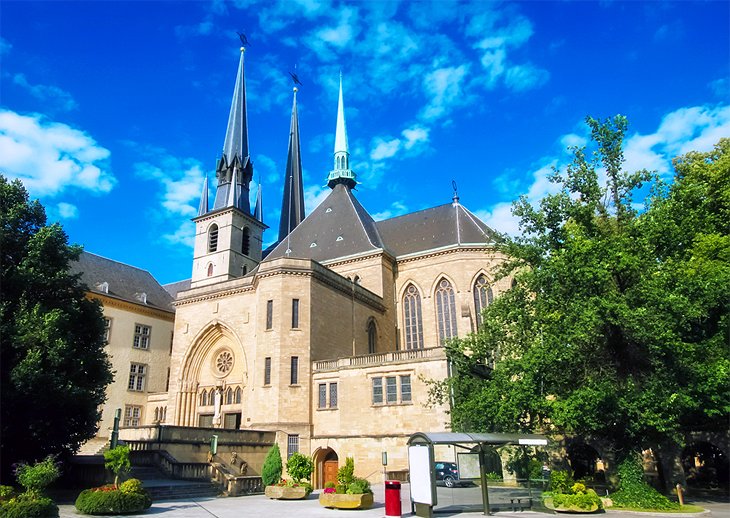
[412, 318]
[445, 311]
[483, 297]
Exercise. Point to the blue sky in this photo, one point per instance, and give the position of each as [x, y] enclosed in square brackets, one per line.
[112, 112]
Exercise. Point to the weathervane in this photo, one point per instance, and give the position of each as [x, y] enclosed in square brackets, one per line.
[456, 191]
[243, 38]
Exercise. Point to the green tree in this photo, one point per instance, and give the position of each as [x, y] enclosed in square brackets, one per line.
[272, 468]
[616, 324]
[117, 460]
[299, 467]
[54, 370]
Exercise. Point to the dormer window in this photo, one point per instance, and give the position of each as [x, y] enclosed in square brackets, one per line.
[142, 297]
[339, 238]
[312, 245]
[329, 209]
[103, 287]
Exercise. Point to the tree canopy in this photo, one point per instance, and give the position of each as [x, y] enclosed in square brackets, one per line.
[54, 369]
[616, 327]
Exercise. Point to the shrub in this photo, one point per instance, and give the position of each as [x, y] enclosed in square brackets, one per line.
[37, 477]
[28, 506]
[634, 492]
[578, 488]
[299, 467]
[6, 493]
[346, 474]
[329, 485]
[100, 501]
[308, 487]
[358, 486]
[586, 501]
[561, 481]
[133, 485]
[493, 476]
[340, 489]
[117, 460]
[271, 471]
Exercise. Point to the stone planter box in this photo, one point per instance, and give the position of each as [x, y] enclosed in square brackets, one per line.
[285, 493]
[357, 501]
[548, 502]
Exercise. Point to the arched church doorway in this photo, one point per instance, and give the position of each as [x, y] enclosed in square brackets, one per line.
[326, 464]
[706, 466]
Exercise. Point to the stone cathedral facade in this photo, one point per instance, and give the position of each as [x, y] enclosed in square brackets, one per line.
[327, 336]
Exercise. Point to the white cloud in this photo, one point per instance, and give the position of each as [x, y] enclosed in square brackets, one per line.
[385, 149]
[50, 157]
[67, 210]
[444, 87]
[573, 140]
[47, 93]
[412, 142]
[525, 77]
[397, 208]
[414, 136]
[266, 167]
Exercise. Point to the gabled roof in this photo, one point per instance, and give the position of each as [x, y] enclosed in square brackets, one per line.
[437, 227]
[119, 280]
[338, 227]
[174, 288]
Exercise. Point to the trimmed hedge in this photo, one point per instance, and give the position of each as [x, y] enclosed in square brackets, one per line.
[21, 507]
[588, 501]
[92, 501]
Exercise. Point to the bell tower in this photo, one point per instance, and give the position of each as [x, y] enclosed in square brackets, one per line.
[228, 238]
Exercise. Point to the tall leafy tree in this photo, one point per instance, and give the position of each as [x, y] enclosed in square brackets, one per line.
[54, 370]
[616, 325]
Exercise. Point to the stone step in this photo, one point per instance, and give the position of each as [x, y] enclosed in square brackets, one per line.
[186, 491]
[146, 473]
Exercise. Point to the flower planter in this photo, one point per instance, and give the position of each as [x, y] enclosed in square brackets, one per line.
[592, 508]
[285, 492]
[356, 501]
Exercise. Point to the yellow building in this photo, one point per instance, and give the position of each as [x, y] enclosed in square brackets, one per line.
[139, 321]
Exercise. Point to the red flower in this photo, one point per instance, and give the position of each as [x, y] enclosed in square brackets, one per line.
[329, 490]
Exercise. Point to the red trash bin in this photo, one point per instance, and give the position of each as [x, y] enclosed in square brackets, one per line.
[392, 499]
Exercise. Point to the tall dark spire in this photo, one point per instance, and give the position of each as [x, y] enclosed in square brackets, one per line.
[235, 170]
[292, 205]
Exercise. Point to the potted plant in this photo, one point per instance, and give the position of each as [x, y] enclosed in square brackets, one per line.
[33, 501]
[570, 497]
[299, 467]
[351, 492]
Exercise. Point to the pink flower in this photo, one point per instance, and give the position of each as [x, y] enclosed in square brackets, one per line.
[329, 490]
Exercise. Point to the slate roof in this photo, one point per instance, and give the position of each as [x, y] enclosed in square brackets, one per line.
[338, 227]
[125, 282]
[176, 287]
[437, 227]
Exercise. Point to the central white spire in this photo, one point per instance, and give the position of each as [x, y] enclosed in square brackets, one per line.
[341, 172]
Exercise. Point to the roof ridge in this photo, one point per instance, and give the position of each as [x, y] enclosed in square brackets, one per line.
[352, 200]
[122, 263]
[476, 221]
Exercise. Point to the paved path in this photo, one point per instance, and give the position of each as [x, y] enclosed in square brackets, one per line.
[260, 506]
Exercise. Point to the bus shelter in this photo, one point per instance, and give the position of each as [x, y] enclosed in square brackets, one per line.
[421, 461]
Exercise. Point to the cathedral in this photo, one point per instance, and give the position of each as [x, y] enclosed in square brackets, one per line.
[328, 336]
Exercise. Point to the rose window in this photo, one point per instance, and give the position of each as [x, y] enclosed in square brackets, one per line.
[224, 362]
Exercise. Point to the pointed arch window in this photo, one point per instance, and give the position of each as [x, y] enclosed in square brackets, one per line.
[229, 396]
[445, 311]
[237, 396]
[204, 398]
[412, 318]
[482, 297]
[213, 238]
[246, 241]
[210, 270]
[372, 337]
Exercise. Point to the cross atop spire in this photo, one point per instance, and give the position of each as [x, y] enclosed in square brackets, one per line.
[342, 172]
[292, 204]
[235, 169]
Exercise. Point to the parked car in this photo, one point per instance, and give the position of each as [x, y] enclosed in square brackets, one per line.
[447, 474]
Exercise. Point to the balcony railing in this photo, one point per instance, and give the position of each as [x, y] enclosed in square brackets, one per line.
[380, 359]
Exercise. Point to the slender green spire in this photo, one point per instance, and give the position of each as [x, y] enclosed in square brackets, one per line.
[342, 172]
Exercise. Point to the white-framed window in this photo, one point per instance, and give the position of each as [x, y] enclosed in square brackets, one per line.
[142, 335]
[107, 329]
[445, 311]
[292, 445]
[132, 415]
[137, 375]
[385, 389]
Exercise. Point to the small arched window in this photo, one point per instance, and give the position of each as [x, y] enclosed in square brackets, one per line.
[482, 297]
[412, 318]
[356, 279]
[210, 270]
[372, 337]
[157, 414]
[445, 311]
[204, 398]
[213, 238]
[237, 396]
[229, 396]
[245, 241]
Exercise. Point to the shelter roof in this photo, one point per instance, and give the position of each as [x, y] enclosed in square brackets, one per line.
[497, 439]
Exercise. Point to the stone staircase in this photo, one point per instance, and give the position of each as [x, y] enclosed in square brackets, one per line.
[94, 446]
[160, 487]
